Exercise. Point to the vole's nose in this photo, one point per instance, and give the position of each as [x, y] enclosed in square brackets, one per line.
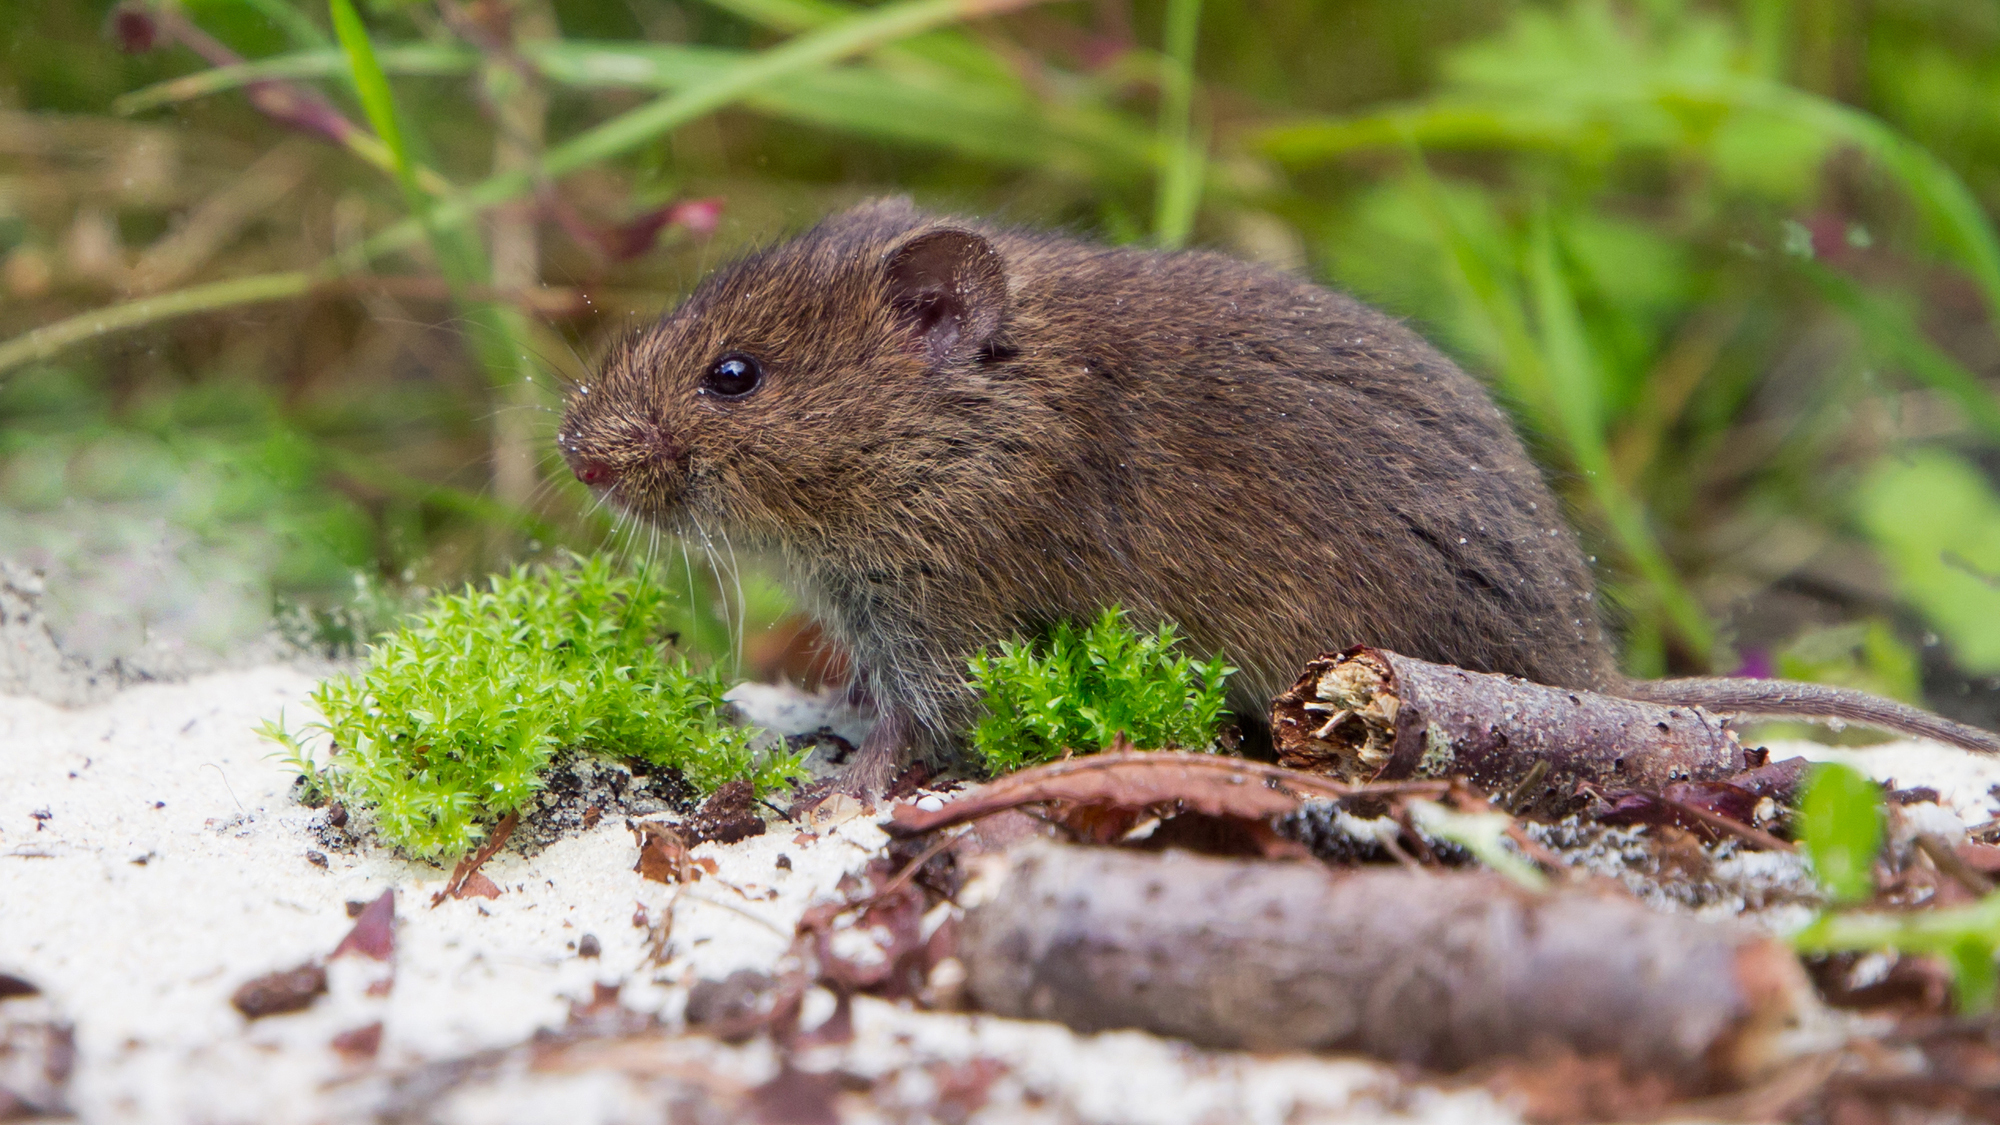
[591, 472]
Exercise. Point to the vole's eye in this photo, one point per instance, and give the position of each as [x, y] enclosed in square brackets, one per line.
[733, 376]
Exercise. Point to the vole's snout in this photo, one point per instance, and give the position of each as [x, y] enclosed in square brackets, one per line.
[585, 459]
[630, 459]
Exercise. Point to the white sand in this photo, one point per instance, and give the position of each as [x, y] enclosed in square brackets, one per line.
[171, 866]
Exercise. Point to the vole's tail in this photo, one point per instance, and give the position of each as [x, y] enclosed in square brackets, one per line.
[1812, 701]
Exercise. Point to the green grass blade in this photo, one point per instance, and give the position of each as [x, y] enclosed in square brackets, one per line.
[1555, 379]
[1576, 383]
[935, 108]
[312, 64]
[820, 48]
[789, 16]
[1604, 120]
[1441, 123]
[612, 138]
[50, 339]
[1488, 303]
[1951, 207]
[371, 85]
[493, 334]
[433, 59]
[1179, 194]
[931, 107]
[940, 51]
[636, 127]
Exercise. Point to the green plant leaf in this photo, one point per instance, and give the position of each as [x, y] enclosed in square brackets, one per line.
[1841, 813]
[1586, 83]
[1936, 521]
[371, 85]
[1964, 937]
[1972, 972]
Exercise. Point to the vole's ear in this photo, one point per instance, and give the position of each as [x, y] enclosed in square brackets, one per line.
[950, 287]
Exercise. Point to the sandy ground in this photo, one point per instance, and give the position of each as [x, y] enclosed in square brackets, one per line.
[152, 860]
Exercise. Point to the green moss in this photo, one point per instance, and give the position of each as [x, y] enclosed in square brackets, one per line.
[1079, 689]
[455, 716]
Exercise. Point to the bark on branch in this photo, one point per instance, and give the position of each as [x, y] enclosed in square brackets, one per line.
[1445, 970]
[1367, 714]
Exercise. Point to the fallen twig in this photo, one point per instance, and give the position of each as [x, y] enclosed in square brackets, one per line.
[1948, 861]
[1203, 783]
[1443, 969]
[1367, 714]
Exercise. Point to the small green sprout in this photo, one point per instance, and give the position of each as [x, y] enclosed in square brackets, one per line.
[451, 723]
[1966, 938]
[1080, 689]
[1842, 815]
[1842, 829]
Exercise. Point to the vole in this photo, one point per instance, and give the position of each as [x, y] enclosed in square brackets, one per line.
[954, 433]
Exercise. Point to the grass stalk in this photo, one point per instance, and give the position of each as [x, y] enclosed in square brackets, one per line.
[495, 331]
[297, 26]
[38, 344]
[521, 109]
[429, 59]
[1575, 381]
[978, 109]
[371, 85]
[1555, 378]
[1947, 203]
[1181, 159]
[612, 138]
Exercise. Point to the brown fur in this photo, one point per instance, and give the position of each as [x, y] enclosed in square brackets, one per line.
[1048, 427]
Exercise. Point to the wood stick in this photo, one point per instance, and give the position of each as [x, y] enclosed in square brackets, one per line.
[1409, 718]
[1442, 969]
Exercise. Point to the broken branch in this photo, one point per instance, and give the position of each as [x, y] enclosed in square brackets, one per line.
[1443, 969]
[1368, 714]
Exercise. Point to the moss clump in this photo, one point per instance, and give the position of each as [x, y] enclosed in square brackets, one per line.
[452, 722]
[1079, 689]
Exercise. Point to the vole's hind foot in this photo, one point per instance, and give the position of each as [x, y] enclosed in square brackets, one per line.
[867, 775]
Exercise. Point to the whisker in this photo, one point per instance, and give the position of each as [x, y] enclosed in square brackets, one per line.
[548, 363]
[500, 408]
[742, 621]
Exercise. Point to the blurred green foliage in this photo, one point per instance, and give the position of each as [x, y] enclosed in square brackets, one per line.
[1841, 823]
[1732, 265]
[182, 513]
[1936, 520]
